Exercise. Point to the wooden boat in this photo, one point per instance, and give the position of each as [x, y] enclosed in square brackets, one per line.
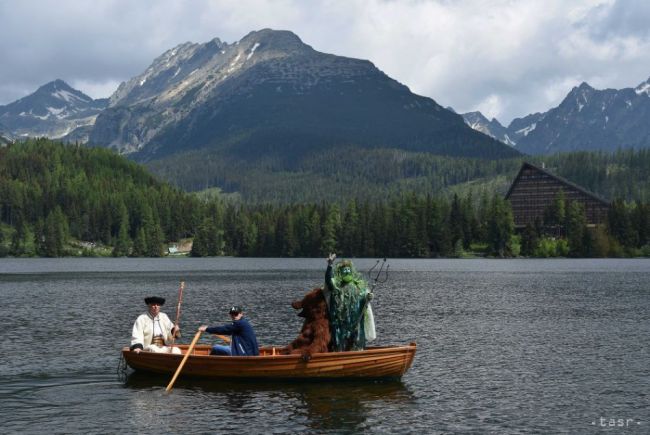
[373, 362]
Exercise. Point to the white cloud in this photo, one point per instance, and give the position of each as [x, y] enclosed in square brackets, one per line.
[95, 89]
[509, 57]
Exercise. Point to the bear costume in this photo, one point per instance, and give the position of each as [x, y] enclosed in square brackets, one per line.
[315, 333]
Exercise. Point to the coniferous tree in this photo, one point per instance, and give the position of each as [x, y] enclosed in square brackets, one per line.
[469, 221]
[437, 229]
[23, 243]
[248, 234]
[123, 242]
[456, 219]
[3, 249]
[620, 225]
[199, 243]
[500, 228]
[576, 230]
[139, 244]
[330, 229]
[529, 240]
[641, 221]
[155, 240]
[350, 239]
[315, 235]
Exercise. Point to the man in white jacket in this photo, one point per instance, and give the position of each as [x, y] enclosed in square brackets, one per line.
[153, 331]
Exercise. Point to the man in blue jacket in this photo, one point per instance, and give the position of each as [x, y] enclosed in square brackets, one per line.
[243, 341]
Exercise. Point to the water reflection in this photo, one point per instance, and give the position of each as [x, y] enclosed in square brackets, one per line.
[317, 404]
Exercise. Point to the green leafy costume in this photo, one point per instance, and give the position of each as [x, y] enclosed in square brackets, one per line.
[347, 296]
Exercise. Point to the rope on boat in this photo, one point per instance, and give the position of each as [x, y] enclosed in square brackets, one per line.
[374, 282]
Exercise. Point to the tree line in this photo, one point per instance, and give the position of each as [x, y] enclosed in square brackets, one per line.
[343, 173]
[415, 226]
[58, 200]
[562, 231]
[412, 226]
[51, 193]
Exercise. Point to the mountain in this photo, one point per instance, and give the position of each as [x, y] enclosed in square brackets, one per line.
[271, 97]
[521, 127]
[54, 110]
[493, 128]
[5, 135]
[590, 119]
[586, 120]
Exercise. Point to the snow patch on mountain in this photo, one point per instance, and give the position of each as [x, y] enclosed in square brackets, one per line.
[257, 44]
[643, 88]
[524, 131]
[68, 96]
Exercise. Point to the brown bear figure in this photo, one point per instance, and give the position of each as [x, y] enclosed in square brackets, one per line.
[315, 333]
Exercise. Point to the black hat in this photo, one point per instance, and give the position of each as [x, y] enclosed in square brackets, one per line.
[154, 300]
[236, 309]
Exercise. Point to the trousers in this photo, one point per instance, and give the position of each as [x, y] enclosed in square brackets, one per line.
[219, 349]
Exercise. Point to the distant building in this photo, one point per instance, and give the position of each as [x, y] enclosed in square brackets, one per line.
[534, 189]
[182, 248]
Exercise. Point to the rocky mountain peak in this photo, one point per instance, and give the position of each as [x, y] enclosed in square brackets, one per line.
[53, 110]
[593, 119]
[60, 94]
[584, 86]
[493, 128]
[276, 39]
[199, 68]
[271, 94]
[577, 97]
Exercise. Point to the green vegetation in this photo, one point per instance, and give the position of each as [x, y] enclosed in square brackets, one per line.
[345, 173]
[624, 174]
[58, 200]
[564, 232]
[52, 196]
[335, 175]
[412, 226]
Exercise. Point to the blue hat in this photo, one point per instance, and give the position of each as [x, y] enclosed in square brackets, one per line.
[235, 309]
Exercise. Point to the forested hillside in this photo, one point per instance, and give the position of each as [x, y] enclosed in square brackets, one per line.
[342, 174]
[624, 174]
[335, 175]
[58, 200]
[50, 193]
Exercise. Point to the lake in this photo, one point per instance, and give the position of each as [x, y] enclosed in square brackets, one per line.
[504, 346]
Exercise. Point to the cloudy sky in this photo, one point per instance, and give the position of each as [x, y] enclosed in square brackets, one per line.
[506, 58]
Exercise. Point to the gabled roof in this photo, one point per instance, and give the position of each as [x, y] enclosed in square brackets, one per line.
[527, 165]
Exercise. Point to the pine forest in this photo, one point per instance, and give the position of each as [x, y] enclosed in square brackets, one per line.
[68, 200]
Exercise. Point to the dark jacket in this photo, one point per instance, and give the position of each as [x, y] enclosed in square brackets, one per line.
[243, 341]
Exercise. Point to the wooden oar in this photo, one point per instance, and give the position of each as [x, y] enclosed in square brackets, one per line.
[178, 308]
[180, 366]
[223, 337]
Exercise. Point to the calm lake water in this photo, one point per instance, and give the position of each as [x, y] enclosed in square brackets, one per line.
[504, 346]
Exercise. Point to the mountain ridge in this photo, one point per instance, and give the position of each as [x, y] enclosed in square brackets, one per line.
[587, 119]
[54, 110]
[271, 94]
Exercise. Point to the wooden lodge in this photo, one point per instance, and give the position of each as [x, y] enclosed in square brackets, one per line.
[534, 189]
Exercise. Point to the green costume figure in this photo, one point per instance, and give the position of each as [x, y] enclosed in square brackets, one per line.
[348, 300]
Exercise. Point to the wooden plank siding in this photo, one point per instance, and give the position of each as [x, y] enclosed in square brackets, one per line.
[373, 362]
[534, 189]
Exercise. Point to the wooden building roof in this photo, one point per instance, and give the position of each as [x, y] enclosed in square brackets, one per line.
[534, 189]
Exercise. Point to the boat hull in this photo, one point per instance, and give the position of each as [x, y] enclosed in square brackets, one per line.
[373, 362]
